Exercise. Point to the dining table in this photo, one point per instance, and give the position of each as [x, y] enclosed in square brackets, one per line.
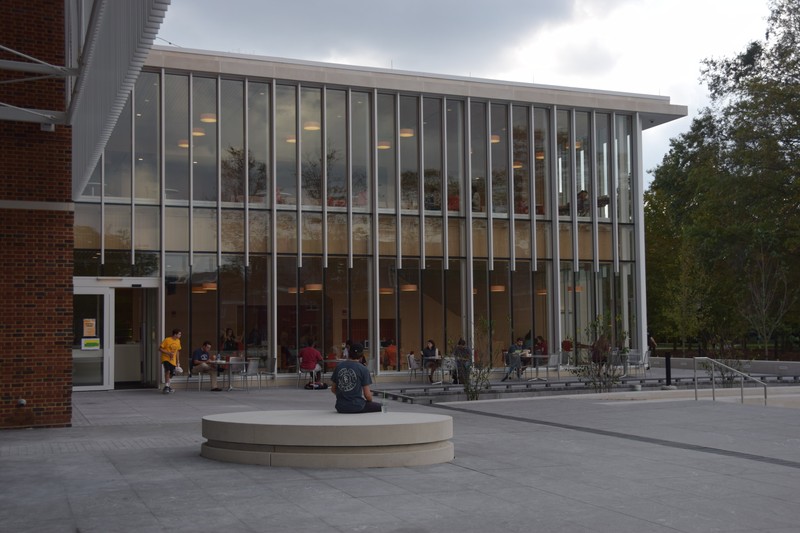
[228, 367]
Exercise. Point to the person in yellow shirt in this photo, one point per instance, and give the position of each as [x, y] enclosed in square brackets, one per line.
[170, 347]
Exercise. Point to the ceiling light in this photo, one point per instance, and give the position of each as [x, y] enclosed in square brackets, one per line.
[208, 118]
[313, 286]
[311, 125]
[183, 143]
[540, 154]
[406, 132]
[386, 290]
[291, 139]
[495, 139]
[384, 145]
[408, 287]
[497, 288]
[198, 132]
[210, 285]
[517, 164]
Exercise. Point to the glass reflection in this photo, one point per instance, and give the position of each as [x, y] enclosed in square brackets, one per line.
[204, 139]
[479, 156]
[233, 162]
[409, 152]
[286, 145]
[336, 139]
[455, 156]
[258, 130]
[432, 153]
[147, 131]
[311, 137]
[387, 151]
[499, 154]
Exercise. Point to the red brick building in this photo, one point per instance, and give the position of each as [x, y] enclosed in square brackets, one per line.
[40, 99]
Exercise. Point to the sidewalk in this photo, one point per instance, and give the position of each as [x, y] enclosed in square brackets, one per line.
[654, 461]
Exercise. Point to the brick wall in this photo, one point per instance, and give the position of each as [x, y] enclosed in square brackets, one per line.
[36, 258]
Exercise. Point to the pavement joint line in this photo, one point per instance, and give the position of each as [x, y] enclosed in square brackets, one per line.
[627, 436]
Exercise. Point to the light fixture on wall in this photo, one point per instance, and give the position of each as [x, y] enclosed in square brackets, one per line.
[291, 139]
[183, 143]
[313, 286]
[198, 132]
[495, 138]
[311, 125]
[210, 285]
[384, 145]
[208, 118]
[497, 288]
[406, 132]
[408, 287]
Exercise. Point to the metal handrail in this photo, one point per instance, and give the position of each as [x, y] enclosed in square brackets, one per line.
[714, 364]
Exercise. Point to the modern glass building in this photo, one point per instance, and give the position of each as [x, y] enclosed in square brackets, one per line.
[288, 202]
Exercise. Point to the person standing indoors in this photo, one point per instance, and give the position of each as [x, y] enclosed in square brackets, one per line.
[200, 364]
[170, 348]
[351, 381]
[463, 358]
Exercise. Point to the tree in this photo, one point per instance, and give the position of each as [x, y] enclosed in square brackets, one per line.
[768, 296]
[725, 184]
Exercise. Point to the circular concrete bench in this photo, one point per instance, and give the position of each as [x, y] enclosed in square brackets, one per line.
[327, 439]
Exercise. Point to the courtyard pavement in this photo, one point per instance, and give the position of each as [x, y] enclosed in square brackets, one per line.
[654, 461]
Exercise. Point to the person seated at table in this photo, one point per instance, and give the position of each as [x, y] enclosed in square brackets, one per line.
[390, 355]
[430, 359]
[514, 362]
[540, 346]
[351, 381]
[311, 360]
[201, 365]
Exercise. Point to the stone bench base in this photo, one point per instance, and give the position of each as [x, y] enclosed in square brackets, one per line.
[327, 439]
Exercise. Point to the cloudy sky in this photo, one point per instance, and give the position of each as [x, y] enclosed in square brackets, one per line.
[638, 46]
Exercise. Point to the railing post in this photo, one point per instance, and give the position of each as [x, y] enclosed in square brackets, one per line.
[668, 366]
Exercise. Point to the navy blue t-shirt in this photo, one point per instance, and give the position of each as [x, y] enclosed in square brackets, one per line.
[350, 377]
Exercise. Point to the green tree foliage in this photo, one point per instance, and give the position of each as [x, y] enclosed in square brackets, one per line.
[722, 214]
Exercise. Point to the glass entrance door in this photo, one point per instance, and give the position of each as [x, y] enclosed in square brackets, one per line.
[90, 369]
[135, 338]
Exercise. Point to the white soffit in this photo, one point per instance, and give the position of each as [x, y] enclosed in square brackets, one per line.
[118, 40]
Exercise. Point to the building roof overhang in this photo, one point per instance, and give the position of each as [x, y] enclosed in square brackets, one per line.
[654, 110]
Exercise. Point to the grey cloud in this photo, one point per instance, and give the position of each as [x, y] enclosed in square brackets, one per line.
[447, 36]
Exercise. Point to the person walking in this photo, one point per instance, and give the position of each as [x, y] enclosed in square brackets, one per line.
[170, 348]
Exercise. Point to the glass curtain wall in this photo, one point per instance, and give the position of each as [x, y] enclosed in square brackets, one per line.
[218, 160]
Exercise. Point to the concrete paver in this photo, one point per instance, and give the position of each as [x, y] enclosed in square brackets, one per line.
[641, 461]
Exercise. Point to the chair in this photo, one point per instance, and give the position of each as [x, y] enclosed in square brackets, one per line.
[553, 361]
[236, 367]
[302, 371]
[637, 359]
[251, 370]
[198, 374]
[513, 364]
[413, 366]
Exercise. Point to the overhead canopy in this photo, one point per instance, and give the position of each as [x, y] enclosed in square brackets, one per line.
[117, 41]
[106, 44]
